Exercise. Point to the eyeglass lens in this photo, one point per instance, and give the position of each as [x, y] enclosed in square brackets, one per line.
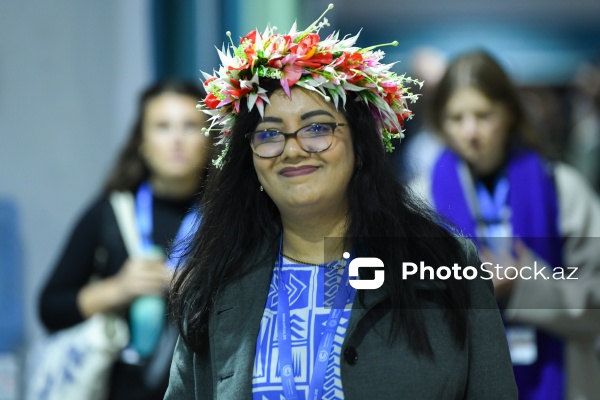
[313, 138]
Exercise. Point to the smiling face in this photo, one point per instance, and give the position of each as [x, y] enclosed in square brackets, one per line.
[297, 180]
[173, 144]
[477, 128]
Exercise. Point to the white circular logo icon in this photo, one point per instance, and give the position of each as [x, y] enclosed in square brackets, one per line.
[323, 355]
[287, 370]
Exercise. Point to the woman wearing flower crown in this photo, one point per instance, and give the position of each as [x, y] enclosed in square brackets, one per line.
[264, 303]
[494, 184]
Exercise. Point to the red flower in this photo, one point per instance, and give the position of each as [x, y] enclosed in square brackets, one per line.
[355, 58]
[316, 61]
[276, 63]
[209, 80]
[306, 44]
[348, 63]
[251, 54]
[236, 91]
[251, 36]
[355, 78]
[211, 101]
[389, 98]
[390, 87]
[401, 118]
[245, 65]
[392, 128]
[279, 44]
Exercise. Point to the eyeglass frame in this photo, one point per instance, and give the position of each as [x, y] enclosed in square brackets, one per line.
[332, 125]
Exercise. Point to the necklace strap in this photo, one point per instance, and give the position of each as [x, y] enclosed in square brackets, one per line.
[299, 261]
[311, 264]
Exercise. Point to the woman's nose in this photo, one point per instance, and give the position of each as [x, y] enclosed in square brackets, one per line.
[469, 126]
[292, 148]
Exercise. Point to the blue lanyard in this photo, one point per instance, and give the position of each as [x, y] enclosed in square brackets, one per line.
[491, 207]
[495, 227]
[143, 213]
[286, 364]
[143, 209]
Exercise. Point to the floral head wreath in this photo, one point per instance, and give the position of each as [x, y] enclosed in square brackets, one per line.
[331, 67]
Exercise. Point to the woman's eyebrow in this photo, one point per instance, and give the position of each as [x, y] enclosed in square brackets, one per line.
[304, 116]
[270, 119]
[315, 113]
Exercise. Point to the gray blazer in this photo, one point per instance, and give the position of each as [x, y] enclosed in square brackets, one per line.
[371, 368]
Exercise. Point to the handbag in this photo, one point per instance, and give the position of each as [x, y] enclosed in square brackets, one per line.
[76, 363]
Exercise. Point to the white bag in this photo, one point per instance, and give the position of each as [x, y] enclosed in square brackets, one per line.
[77, 361]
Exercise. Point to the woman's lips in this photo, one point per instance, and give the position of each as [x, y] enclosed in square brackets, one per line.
[297, 171]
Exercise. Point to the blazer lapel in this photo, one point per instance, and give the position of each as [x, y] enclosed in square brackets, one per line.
[359, 310]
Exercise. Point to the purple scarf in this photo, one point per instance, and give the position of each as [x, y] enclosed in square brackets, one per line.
[533, 202]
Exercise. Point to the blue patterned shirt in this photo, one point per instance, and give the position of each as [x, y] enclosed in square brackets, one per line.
[311, 291]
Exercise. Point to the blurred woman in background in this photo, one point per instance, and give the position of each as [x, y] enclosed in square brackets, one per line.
[520, 207]
[160, 172]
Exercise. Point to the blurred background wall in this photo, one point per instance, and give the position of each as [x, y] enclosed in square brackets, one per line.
[70, 72]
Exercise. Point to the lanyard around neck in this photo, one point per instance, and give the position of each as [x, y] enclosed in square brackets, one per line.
[143, 211]
[325, 345]
[145, 225]
[494, 228]
[492, 205]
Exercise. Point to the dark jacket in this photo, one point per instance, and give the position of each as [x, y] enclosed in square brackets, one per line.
[371, 368]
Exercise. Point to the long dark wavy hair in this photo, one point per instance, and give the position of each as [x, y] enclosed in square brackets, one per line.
[130, 169]
[379, 207]
[479, 70]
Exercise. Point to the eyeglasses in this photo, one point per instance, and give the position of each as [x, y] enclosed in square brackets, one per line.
[313, 138]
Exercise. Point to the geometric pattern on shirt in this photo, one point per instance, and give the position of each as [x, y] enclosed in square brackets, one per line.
[312, 291]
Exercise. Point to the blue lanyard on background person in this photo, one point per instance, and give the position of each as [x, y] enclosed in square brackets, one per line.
[493, 209]
[147, 313]
[286, 363]
[492, 206]
[143, 214]
[521, 338]
[145, 225]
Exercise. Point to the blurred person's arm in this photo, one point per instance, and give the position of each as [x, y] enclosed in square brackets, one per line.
[69, 296]
[137, 277]
[567, 307]
[76, 265]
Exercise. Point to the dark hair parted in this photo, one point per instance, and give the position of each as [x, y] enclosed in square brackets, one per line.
[379, 207]
[479, 70]
[131, 169]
